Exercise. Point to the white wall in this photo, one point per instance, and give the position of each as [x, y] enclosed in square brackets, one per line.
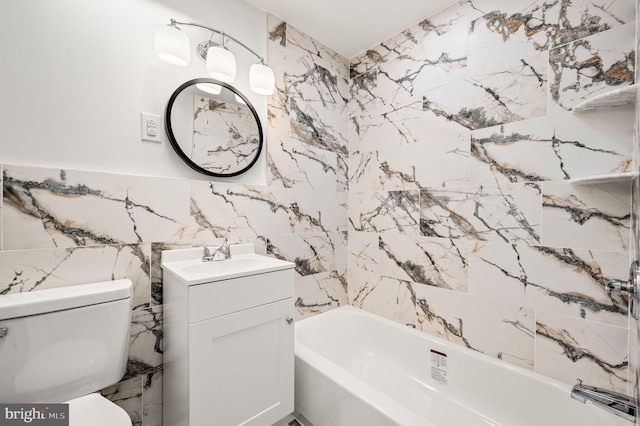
[76, 74]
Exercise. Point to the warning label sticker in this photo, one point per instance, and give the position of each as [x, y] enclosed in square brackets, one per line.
[439, 366]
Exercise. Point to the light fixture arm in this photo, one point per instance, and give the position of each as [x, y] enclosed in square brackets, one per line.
[223, 34]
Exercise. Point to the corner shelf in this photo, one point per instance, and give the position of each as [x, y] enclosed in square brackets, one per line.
[623, 96]
[610, 178]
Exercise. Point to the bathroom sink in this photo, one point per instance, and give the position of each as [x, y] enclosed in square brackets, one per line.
[188, 267]
[223, 266]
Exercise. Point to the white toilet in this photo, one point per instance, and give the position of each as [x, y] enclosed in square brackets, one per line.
[60, 345]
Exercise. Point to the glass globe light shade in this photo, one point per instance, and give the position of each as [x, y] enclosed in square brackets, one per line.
[172, 45]
[221, 64]
[261, 79]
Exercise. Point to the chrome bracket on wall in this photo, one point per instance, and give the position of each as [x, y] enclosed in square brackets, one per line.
[628, 288]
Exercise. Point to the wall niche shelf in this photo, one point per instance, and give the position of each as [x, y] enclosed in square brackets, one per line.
[610, 178]
[618, 97]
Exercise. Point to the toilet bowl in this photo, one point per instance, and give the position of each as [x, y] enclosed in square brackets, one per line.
[96, 410]
[63, 345]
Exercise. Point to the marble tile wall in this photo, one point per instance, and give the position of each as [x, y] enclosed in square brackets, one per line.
[66, 227]
[634, 324]
[464, 217]
[432, 176]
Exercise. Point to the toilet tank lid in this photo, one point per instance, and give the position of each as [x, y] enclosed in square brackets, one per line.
[36, 302]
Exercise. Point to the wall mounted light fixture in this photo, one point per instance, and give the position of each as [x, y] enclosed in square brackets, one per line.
[172, 45]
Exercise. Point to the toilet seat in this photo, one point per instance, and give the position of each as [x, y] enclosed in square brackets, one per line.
[96, 410]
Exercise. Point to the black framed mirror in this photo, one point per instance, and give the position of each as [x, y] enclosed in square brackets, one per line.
[213, 128]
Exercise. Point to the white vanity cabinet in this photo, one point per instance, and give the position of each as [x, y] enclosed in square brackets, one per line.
[228, 346]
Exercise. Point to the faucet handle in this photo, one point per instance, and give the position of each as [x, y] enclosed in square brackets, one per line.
[206, 254]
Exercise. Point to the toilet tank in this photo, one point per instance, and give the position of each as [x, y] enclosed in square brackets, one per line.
[63, 343]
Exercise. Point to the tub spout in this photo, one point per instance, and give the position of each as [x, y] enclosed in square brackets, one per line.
[614, 402]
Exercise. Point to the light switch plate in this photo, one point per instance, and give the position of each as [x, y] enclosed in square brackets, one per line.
[150, 127]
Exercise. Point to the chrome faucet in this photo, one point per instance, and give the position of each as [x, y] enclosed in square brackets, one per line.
[614, 402]
[222, 252]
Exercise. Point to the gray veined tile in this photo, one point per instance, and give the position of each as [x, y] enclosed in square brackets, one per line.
[364, 171]
[128, 395]
[586, 216]
[301, 166]
[388, 297]
[438, 42]
[363, 93]
[387, 127]
[363, 251]
[319, 293]
[557, 147]
[318, 109]
[497, 329]
[562, 280]
[392, 211]
[520, 29]
[591, 66]
[487, 99]
[508, 213]
[317, 211]
[376, 171]
[239, 212]
[65, 208]
[152, 399]
[145, 343]
[437, 262]
[27, 270]
[312, 253]
[568, 349]
[306, 49]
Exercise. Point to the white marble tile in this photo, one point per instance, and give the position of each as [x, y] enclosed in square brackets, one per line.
[363, 251]
[64, 208]
[556, 147]
[436, 160]
[591, 66]
[341, 252]
[387, 127]
[312, 253]
[152, 399]
[127, 394]
[304, 47]
[238, 212]
[392, 211]
[318, 110]
[438, 42]
[497, 329]
[442, 160]
[500, 96]
[364, 172]
[145, 341]
[384, 296]
[437, 262]
[27, 270]
[569, 349]
[317, 211]
[509, 213]
[586, 216]
[562, 280]
[518, 29]
[319, 293]
[301, 166]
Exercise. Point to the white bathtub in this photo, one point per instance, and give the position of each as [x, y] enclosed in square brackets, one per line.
[354, 368]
